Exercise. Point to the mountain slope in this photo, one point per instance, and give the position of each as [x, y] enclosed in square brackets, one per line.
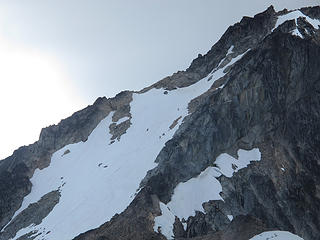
[226, 149]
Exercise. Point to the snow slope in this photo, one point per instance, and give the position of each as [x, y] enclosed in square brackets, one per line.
[103, 178]
[276, 235]
[294, 15]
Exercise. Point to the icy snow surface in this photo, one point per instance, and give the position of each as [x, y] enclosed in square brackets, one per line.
[230, 217]
[189, 196]
[166, 229]
[276, 235]
[99, 178]
[230, 50]
[295, 15]
[229, 165]
[121, 120]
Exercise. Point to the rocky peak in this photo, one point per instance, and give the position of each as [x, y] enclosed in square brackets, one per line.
[257, 91]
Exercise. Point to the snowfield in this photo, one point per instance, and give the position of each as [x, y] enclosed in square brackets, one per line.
[99, 178]
[102, 178]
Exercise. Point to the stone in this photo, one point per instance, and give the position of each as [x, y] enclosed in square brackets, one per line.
[270, 100]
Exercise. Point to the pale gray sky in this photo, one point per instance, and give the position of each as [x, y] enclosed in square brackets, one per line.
[57, 56]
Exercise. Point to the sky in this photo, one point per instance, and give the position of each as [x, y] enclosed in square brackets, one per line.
[58, 56]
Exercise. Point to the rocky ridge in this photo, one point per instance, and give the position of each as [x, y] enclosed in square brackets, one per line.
[269, 99]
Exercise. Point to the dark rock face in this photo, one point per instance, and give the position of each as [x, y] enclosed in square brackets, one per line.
[274, 93]
[313, 12]
[117, 130]
[270, 100]
[34, 213]
[13, 187]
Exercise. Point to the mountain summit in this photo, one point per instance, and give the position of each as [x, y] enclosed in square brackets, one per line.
[227, 149]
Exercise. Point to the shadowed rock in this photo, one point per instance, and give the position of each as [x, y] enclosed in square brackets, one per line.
[270, 100]
[33, 214]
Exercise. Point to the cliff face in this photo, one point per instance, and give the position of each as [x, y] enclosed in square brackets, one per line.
[263, 95]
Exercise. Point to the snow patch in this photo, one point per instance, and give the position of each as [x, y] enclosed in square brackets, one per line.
[230, 50]
[184, 224]
[294, 15]
[219, 72]
[276, 235]
[121, 120]
[230, 217]
[189, 196]
[228, 165]
[296, 32]
[24, 231]
[167, 217]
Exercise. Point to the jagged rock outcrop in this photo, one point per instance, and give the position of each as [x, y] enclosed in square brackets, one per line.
[33, 214]
[242, 36]
[241, 228]
[269, 99]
